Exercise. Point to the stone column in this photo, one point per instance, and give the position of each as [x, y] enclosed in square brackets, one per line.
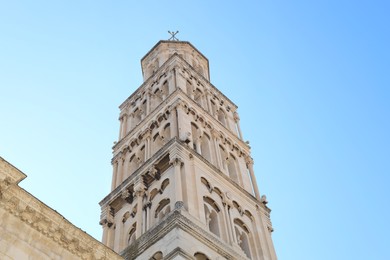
[139, 192]
[253, 178]
[130, 122]
[148, 102]
[120, 127]
[119, 172]
[124, 125]
[148, 145]
[237, 122]
[227, 222]
[174, 127]
[177, 163]
[217, 150]
[114, 174]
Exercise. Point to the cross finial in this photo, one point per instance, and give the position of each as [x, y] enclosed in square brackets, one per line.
[173, 34]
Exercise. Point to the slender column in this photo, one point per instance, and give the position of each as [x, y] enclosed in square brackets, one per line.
[177, 163]
[119, 172]
[114, 174]
[210, 109]
[120, 127]
[125, 169]
[148, 103]
[139, 192]
[124, 125]
[232, 226]
[130, 122]
[217, 151]
[174, 129]
[237, 122]
[227, 223]
[198, 145]
[148, 145]
[253, 178]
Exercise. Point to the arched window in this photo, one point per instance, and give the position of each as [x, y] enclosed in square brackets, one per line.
[211, 213]
[165, 90]
[205, 147]
[163, 209]
[222, 117]
[131, 236]
[189, 88]
[198, 97]
[157, 98]
[243, 237]
[200, 256]
[157, 256]
[164, 184]
[166, 133]
[232, 168]
[195, 136]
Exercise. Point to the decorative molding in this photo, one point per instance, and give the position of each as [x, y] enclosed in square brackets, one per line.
[49, 223]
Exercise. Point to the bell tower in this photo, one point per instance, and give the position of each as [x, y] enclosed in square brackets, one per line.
[183, 185]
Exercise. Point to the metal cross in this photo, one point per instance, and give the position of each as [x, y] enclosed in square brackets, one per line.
[173, 38]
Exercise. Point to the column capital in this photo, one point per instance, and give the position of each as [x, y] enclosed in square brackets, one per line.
[176, 161]
[249, 160]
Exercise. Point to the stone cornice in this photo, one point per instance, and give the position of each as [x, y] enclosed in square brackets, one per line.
[10, 172]
[182, 220]
[116, 193]
[48, 222]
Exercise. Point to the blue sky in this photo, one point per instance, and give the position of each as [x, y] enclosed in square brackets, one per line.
[310, 78]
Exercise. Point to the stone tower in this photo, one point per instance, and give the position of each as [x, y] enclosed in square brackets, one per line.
[183, 185]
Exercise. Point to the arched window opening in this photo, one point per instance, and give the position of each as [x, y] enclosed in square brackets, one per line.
[206, 183]
[167, 132]
[212, 203]
[153, 194]
[165, 90]
[213, 107]
[205, 147]
[200, 256]
[132, 164]
[164, 203]
[157, 256]
[198, 97]
[164, 184]
[243, 242]
[213, 223]
[189, 88]
[195, 137]
[131, 236]
[211, 213]
[158, 142]
[125, 217]
[222, 117]
[232, 168]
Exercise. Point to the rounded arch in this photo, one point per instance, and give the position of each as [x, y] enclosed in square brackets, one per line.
[157, 256]
[161, 205]
[164, 185]
[153, 194]
[201, 256]
[131, 234]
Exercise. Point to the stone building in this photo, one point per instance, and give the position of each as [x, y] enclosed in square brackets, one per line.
[183, 185]
[29, 229]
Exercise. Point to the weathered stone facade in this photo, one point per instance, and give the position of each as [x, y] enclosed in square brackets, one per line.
[29, 229]
[183, 185]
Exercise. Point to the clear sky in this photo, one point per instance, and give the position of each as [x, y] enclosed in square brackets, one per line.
[310, 78]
